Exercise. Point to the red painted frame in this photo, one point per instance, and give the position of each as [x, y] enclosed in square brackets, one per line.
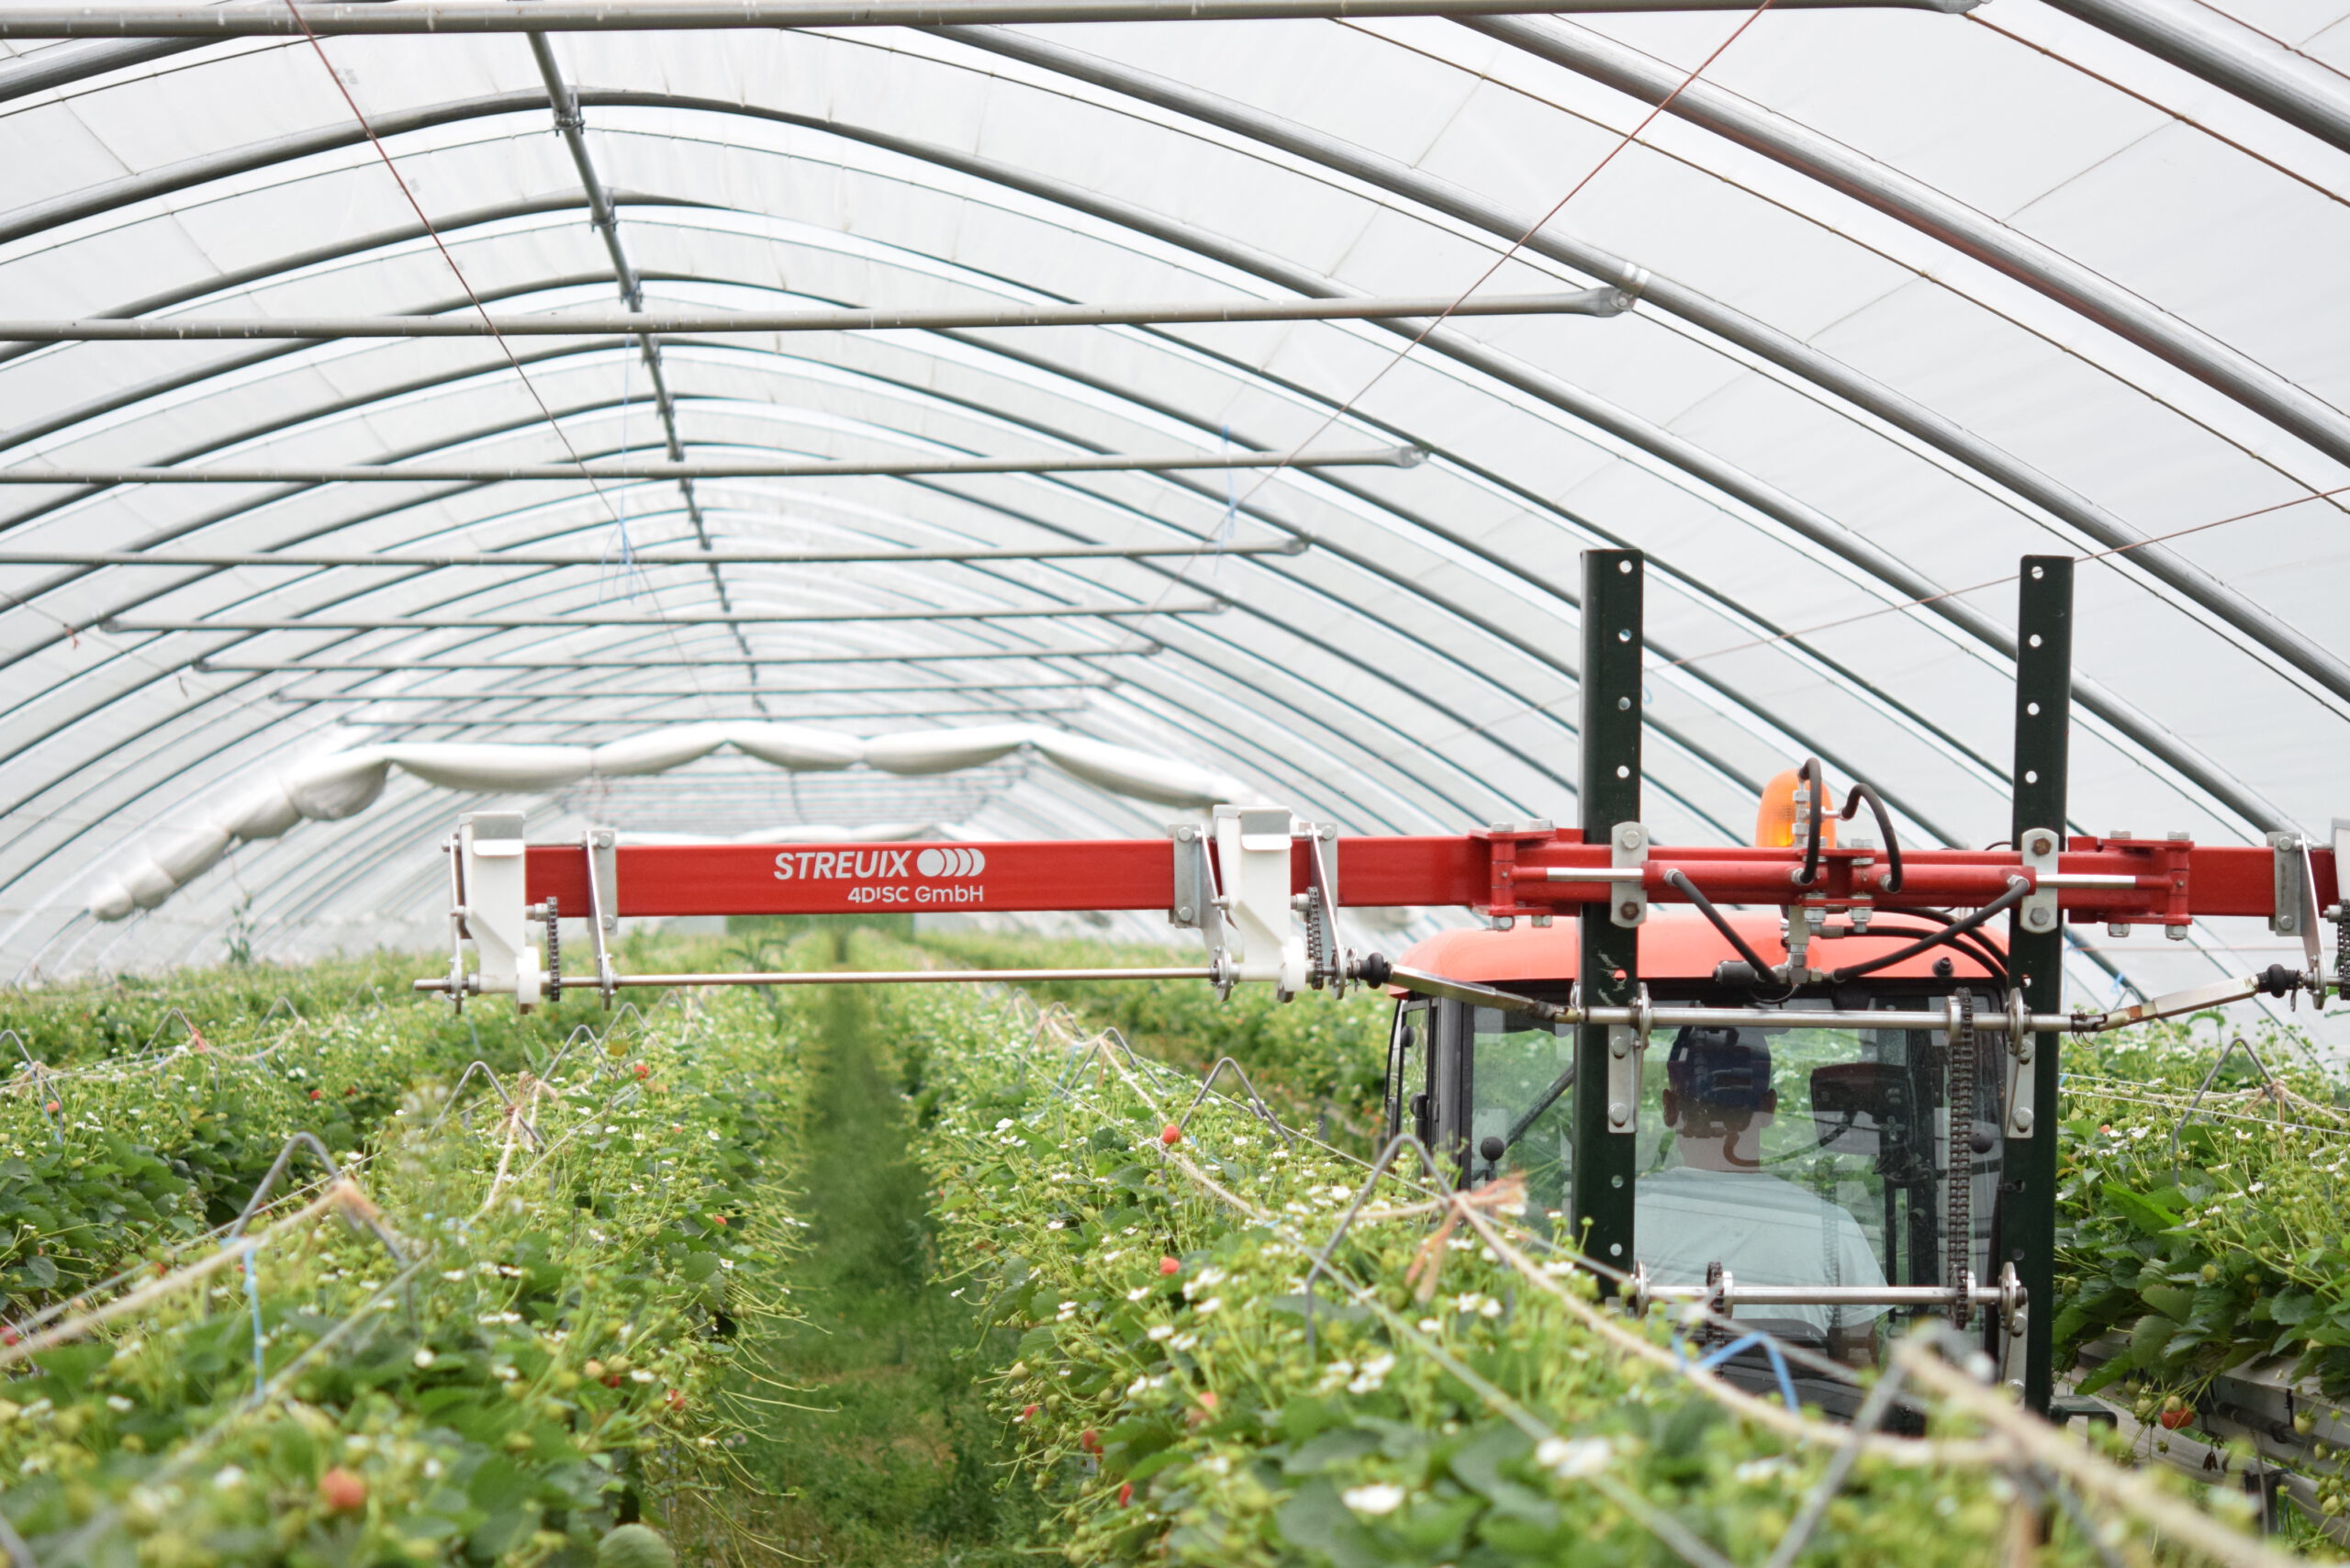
[1495, 873]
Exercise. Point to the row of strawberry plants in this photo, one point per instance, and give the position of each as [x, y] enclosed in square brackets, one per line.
[1314, 1056]
[518, 1351]
[2201, 1236]
[1167, 1389]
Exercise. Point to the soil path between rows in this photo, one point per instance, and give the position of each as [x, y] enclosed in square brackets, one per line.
[907, 1467]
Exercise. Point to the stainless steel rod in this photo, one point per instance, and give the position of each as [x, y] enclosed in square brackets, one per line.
[1608, 301]
[1825, 1295]
[704, 468]
[271, 19]
[876, 977]
[637, 721]
[575, 694]
[721, 556]
[684, 618]
[491, 662]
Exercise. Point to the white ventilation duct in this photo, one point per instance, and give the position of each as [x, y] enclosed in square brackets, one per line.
[341, 784]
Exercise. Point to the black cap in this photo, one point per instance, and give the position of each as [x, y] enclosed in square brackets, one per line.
[1726, 1068]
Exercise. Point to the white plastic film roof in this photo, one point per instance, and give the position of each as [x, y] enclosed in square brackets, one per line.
[1919, 294]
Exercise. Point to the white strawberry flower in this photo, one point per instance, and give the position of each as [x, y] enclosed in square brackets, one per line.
[1378, 1498]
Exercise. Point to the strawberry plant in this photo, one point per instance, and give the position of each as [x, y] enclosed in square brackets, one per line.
[1448, 1406]
[515, 1349]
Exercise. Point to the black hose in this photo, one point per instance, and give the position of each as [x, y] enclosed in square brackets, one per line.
[1678, 880]
[1892, 883]
[1810, 771]
[1971, 943]
[1982, 948]
[2019, 888]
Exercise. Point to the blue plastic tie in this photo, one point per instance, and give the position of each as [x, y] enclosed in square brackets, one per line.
[1769, 1349]
[253, 1295]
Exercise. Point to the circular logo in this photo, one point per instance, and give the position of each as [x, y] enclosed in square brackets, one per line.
[931, 863]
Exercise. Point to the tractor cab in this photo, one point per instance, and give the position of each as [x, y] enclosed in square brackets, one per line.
[1780, 1164]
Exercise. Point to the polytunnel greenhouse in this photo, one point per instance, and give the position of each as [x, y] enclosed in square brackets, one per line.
[1353, 783]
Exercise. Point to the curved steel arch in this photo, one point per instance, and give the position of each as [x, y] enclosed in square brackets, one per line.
[2227, 791]
[2001, 469]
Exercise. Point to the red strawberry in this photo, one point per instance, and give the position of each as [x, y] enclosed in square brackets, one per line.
[612, 1380]
[1026, 1411]
[1171, 1134]
[317, 1093]
[642, 1070]
[1089, 1440]
[1126, 1495]
[1168, 1266]
[342, 1491]
[676, 1399]
[2174, 1419]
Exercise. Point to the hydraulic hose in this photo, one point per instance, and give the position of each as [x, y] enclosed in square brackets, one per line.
[1969, 942]
[1884, 829]
[2019, 888]
[1811, 773]
[1679, 881]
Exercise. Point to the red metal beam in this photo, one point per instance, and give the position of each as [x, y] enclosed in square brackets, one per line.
[1499, 874]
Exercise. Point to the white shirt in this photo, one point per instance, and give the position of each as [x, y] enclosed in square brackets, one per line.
[1764, 1231]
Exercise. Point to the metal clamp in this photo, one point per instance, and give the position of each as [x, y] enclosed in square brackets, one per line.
[1628, 901]
[1326, 966]
[2014, 1300]
[1195, 907]
[600, 843]
[2023, 1100]
[2039, 848]
[1626, 1045]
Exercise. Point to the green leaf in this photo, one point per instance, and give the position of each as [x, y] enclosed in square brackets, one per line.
[2139, 1209]
[1318, 1519]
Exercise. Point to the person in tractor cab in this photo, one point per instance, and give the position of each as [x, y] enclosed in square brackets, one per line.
[1720, 1206]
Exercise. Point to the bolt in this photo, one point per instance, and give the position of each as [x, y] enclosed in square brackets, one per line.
[1628, 835]
[2042, 918]
[2176, 933]
[1618, 1115]
[2180, 837]
[2022, 1120]
[2121, 833]
[1628, 911]
[2117, 928]
[1542, 923]
[1183, 912]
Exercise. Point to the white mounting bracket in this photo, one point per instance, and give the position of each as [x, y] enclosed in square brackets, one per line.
[1252, 845]
[1627, 846]
[490, 870]
[2039, 850]
[1195, 906]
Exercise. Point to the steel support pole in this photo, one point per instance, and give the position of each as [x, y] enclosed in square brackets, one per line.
[670, 324]
[1607, 1106]
[2027, 1205]
[268, 19]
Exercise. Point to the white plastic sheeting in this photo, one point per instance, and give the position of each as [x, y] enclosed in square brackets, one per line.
[344, 783]
[1920, 294]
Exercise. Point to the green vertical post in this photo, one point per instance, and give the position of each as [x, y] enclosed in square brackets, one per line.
[1611, 971]
[2036, 958]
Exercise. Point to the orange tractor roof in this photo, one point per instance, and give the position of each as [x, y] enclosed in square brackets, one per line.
[1675, 945]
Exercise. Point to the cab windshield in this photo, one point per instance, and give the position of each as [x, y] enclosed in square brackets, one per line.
[1790, 1155]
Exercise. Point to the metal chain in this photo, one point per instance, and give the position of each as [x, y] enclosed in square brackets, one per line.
[554, 953]
[1958, 1234]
